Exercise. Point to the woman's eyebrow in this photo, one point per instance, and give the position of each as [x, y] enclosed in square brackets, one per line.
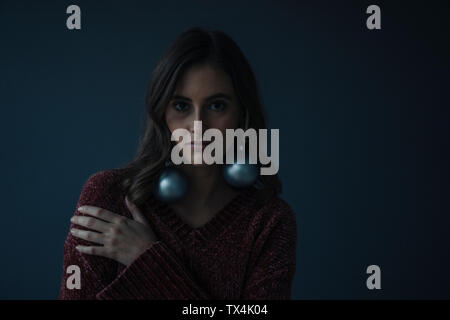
[214, 96]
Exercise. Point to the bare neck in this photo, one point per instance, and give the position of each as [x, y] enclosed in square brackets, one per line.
[208, 190]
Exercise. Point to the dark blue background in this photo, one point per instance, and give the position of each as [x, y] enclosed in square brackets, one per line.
[363, 118]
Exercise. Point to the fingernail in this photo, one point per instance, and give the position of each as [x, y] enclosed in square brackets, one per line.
[82, 208]
[72, 219]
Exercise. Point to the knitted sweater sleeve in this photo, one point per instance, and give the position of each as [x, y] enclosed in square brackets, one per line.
[155, 274]
[273, 260]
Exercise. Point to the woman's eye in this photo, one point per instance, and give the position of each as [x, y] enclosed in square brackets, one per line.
[217, 106]
[181, 107]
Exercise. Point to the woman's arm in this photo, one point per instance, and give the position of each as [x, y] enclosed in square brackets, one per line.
[95, 272]
[155, 274]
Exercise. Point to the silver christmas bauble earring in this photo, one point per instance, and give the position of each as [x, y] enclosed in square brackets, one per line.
[172, 184]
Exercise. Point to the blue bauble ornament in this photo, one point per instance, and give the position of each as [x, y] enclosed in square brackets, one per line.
[172, 185]
[241, 175]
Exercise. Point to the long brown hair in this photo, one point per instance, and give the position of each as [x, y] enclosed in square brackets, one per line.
[193, 46]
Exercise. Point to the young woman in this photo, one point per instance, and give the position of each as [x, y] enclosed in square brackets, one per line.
[217, 242]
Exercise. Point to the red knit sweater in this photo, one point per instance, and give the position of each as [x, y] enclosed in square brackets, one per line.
[244, 252]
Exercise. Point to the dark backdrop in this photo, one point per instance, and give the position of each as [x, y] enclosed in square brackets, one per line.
[363, 118]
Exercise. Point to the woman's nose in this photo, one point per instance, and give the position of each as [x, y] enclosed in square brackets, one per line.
[197, 115]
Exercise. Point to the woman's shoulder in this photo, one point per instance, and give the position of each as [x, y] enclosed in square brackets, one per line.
[105, 180]
[282, 208]
[274, 210]
[274, 219]
[102, 189]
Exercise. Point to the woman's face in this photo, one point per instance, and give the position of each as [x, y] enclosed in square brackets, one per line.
[206, 94]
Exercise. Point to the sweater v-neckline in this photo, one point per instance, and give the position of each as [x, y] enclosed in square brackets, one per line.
[213, 227]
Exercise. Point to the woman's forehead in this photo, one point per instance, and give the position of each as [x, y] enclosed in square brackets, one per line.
[201, 82]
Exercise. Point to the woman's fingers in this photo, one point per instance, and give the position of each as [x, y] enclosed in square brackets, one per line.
[102, 214]
[95, 250]
[135, 212]
[88, 235]
[91, 223]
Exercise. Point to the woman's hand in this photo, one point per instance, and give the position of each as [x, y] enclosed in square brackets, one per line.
[123, 239]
